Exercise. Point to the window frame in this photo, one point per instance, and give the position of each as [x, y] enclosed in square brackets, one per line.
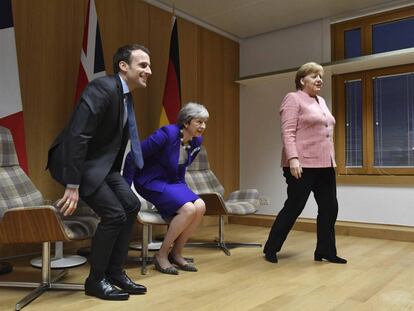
[365, 23]
[367, 122]
[364, 175]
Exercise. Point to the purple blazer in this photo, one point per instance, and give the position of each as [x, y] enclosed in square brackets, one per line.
[161, 152]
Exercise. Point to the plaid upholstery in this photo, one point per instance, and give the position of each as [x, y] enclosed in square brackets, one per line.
[17, 190]
[8, 156]
[200, 163]
[248, 195]
[243, 202]
[201, 179]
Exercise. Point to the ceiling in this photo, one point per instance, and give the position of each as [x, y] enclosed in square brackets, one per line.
[247, 18]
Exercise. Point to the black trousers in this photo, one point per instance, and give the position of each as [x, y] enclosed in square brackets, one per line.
[117, 206]
[322, 182]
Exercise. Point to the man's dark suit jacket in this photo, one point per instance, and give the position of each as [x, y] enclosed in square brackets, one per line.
[92, 142]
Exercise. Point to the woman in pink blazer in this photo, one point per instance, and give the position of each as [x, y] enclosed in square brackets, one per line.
[308, 164]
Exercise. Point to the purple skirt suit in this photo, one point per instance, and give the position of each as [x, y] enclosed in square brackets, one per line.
[162, 180]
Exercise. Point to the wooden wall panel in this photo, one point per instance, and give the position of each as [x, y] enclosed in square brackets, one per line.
[48, 42]
[231, 125]
[218, 65]
[124, 22]
[188, 45]
[210, 89]
[159, 43]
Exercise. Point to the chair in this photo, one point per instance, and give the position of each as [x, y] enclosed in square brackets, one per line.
[59, 260]
[202, 181]
[146, 206]
[25, 219]
[147, 217]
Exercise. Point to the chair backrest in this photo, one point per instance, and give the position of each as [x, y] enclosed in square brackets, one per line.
[16, 189]
[145, 205]
[199, 176]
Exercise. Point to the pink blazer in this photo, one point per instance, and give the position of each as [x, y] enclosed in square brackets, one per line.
[307, 131]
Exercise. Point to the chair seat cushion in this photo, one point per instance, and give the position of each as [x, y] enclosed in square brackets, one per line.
[80, 227]
[151, 217]
[240, 208]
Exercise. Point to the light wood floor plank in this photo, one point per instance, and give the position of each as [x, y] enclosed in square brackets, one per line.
[379, 276]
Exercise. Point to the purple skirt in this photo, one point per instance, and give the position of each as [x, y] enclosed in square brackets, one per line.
[170, 200]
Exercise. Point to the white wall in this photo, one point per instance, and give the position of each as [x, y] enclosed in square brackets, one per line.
[260, 142]
[285, 49]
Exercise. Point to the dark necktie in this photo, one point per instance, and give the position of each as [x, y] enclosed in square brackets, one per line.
[133, 133]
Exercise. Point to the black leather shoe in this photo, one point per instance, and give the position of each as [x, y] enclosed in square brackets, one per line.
[271, 256]
[104, 290]
[126, 284]
[333, 259]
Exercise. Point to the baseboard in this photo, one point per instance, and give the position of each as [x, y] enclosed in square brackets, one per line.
[376, 231]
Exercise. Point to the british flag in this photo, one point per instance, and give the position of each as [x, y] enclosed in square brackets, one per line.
[92, 63]
[11, 109]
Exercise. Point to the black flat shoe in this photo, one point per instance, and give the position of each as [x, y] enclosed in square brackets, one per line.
[333, 259]
[186, 267]
[126, 284]
[104, 290]
[271, 257]
[168, 270]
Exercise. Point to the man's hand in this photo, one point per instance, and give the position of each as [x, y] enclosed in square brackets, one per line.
[69, 202]
[295, 168]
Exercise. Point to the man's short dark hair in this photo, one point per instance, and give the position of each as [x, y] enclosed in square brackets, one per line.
[124, 54]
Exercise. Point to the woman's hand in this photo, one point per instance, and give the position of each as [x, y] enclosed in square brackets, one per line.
[295, 168]
[69, 202]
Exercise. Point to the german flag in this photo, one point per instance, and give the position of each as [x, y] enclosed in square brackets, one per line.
[171, 102]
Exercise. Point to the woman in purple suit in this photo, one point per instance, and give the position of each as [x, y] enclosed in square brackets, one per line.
[167, 153]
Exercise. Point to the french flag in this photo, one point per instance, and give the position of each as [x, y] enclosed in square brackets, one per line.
[11, 110]
[92, 63]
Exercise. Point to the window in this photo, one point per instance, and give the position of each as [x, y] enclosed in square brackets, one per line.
[353, 123]
[374, 109]
[383, 32]
[395, 35]
[353, 43]
[375, 121]
[393, 103]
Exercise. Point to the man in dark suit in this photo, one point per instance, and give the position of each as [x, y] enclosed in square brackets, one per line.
[86, 158]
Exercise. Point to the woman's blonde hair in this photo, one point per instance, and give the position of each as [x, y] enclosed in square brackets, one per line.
[306, 69]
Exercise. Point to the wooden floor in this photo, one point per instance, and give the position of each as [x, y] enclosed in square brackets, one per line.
[378, 276]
